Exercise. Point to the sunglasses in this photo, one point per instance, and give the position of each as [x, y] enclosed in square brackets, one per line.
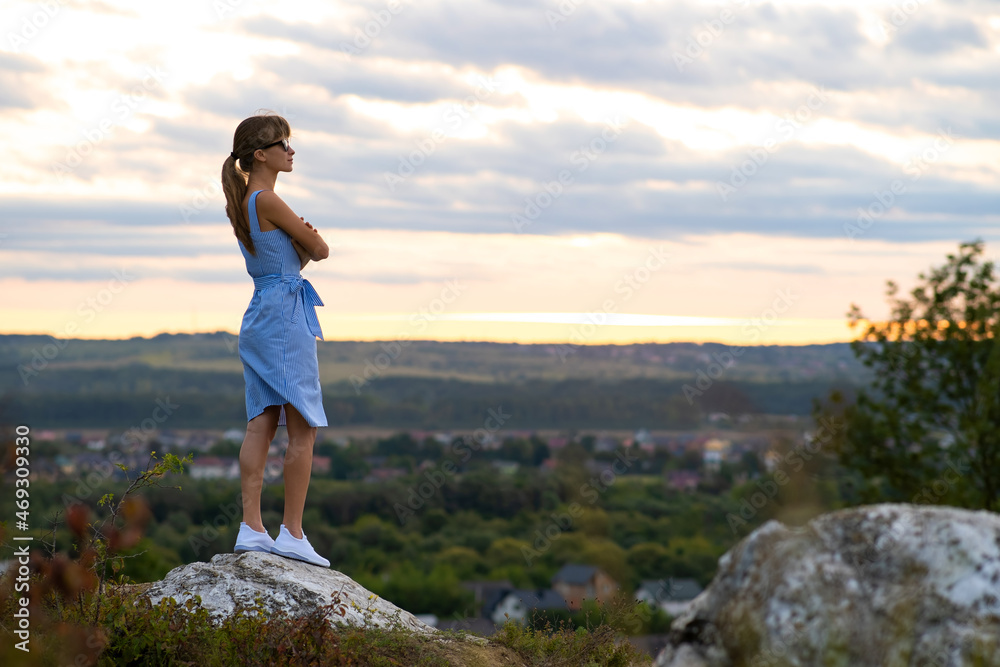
[283, 142]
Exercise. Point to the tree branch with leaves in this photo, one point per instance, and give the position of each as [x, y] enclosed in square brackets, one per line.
[124, 526]
[928, 427]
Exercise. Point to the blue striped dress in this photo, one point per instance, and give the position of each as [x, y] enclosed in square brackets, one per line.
[278, 335]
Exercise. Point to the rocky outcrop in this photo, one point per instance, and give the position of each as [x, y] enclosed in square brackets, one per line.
[284, 584]
[878, 586]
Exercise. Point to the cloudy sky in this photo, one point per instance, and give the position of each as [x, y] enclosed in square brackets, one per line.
[587, 170]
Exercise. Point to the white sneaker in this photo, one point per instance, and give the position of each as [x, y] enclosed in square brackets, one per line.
[289, 546]
[249, 539]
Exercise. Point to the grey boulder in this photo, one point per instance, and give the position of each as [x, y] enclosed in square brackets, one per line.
[295, 587]
[876, 586]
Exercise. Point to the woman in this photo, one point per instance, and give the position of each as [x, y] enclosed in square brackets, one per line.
[278, 335]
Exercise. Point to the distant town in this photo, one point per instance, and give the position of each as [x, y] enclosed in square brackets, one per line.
[697, 456]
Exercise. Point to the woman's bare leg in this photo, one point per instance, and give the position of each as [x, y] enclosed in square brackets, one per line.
[298, 468]
[253, 458]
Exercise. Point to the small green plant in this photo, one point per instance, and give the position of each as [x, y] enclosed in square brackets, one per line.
[127, 520]
[540, 642]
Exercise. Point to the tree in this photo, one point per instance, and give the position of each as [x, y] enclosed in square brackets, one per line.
[648, 560]
[399, 444]
[437, 592]
[928, 429]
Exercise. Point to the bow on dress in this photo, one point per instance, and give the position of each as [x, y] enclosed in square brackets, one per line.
[296, 285]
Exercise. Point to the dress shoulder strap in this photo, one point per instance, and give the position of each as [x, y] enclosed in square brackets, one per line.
[252, 210]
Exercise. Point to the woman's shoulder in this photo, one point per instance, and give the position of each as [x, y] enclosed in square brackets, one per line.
[270, 203]
[265, 197]
[261, 194]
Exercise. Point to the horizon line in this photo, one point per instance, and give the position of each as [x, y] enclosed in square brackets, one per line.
[438, 340]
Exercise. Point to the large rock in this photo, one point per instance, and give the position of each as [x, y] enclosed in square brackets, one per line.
[879, 586]
[283, 584]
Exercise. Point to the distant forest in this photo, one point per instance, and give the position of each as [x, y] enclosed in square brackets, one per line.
[54, 383]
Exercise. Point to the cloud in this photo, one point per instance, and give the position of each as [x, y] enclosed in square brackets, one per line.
[930, 38]
[771, 268]
[403, 136]
[16, 75]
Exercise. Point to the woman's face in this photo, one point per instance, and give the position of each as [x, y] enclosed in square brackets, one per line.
[275, 156]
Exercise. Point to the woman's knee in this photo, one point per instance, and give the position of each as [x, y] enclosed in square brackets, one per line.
[302, 439]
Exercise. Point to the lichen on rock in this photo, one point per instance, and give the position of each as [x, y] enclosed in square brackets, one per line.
[231, 580]
[882, 585]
